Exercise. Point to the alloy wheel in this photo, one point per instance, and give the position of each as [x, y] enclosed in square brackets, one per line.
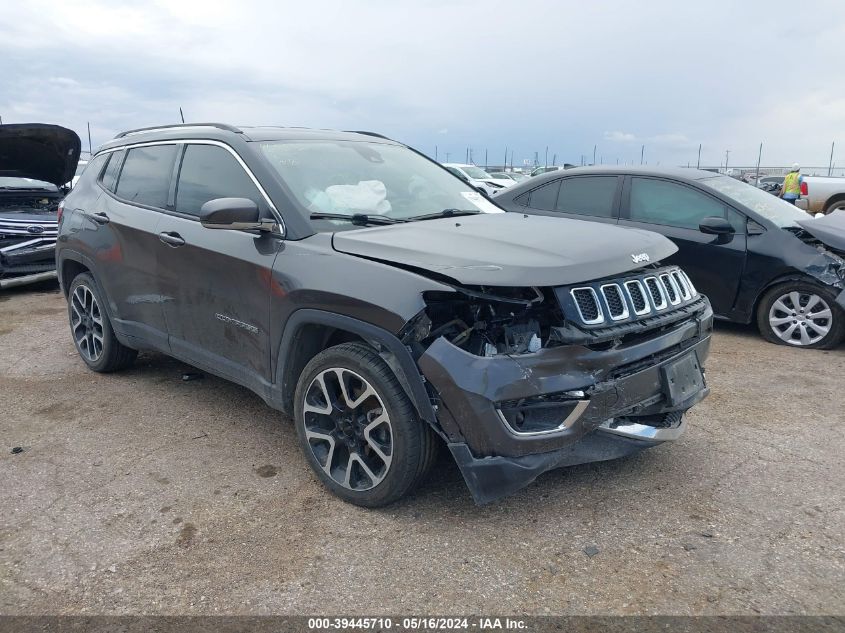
[800, 318]
[348, 428]
[86, 322]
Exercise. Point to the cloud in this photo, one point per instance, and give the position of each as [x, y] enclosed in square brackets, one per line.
[478, 74]
[619, 137]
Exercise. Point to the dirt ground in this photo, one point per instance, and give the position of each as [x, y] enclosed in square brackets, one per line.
[139, 492]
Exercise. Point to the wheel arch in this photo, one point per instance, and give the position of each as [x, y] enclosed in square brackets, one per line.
[70, 266]
[309, 331]
[837, 197]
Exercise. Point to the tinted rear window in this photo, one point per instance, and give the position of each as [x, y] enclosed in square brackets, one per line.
[145, 177]
[109, 179]
[588, 195]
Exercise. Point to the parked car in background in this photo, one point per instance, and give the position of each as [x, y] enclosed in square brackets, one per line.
[36, 160]
[822, 194]
[80, 167]
[537, 171]
[478, 177]
[365, 291]
[508, 175]
[755, 256]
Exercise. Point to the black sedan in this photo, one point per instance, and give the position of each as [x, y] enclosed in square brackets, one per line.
[755, 256]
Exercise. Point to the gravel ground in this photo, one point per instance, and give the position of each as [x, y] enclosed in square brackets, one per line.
[139, 492]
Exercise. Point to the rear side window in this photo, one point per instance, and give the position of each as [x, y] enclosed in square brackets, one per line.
[661, 202]
[109, 178]
[544, 197]
[145, 177]
[588, 195]
[210, 172]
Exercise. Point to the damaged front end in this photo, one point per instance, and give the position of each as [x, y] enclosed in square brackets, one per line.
[28, 230]
[529, 379]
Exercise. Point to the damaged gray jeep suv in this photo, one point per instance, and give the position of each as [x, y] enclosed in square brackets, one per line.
[362, 289]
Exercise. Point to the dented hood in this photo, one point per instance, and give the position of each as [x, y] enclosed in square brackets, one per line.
[508, 249]
[829, 229]
[39, 151]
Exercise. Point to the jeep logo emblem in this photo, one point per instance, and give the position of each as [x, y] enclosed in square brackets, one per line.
[641, 257]
[35, 229]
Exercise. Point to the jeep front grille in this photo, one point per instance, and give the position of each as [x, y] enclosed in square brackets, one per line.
[636, 293]
[588, 305]
[616, 306]
[618, 301]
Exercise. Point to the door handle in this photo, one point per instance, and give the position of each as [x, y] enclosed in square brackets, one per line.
[171, 238]
[99, 218]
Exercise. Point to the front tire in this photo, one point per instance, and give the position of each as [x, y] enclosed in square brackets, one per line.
[358, 429]
[91, 329]
[801, 314]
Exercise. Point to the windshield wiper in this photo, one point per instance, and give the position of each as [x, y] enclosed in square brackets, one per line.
[445, 213]
[358, 219]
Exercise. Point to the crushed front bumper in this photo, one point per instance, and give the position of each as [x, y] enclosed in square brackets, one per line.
[618, 388]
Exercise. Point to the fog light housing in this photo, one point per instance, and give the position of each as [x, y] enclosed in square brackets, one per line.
[543, 414]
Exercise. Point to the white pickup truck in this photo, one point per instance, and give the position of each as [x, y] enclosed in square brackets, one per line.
[822, 194]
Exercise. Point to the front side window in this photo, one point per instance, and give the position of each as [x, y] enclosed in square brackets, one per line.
[145, 177]
[662, 202]
[588, 195]
[545, 197]
[210, 172]
[475, 172]
[370, 178]
[771, 207]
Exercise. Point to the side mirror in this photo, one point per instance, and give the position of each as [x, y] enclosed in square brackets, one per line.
[238, 214]
[715, 225]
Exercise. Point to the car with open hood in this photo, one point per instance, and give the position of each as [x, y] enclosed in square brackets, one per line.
[382, 303]
[757, 258]
[36, 160]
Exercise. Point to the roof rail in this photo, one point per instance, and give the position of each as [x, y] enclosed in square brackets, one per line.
[219, 126]
[368, 134]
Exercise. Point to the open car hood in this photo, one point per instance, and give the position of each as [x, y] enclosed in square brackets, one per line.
[39, 151]
[829, 229]
[508, 249]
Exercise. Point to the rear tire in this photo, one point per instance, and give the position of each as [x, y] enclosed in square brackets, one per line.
[359, 431]
[801, 314]
[836, 205]
[91, 329]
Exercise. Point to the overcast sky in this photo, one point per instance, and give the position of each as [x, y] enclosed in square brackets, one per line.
[668, 74]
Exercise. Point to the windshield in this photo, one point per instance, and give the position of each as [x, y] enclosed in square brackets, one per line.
[475, 172]
[770, 207]
[25, 183]
[359, 177]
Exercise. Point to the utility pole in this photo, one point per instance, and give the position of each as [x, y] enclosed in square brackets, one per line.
[698, 164]
[485, 159]
[554, 160]
[759, 156]
[181, 115]
[447, 156]
[1, 120]
[505, 164]
[642, 154]
[546, 163]
[435, 152]
[467, 158]
[511, 159]
[727, 155]
[90, 153]
[594, 154]
[830, 164]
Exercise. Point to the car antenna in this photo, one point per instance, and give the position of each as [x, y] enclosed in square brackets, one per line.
[181, 115]
[90, 153]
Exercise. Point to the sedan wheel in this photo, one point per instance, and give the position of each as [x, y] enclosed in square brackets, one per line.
[801, 314]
